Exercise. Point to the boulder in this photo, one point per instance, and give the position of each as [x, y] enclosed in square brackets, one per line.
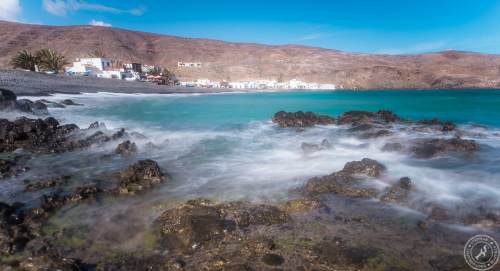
[36, 108]
[141, 176]
[310, 147]
[126, 148]
[69, 102]
[366, 166]
[346, 182]
[7, 100]
[428, 148]
[44, 184]
[392, 147]
[300, 119]
[399, 191]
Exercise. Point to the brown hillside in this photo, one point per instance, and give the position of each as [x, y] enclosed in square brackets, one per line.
[242, 61]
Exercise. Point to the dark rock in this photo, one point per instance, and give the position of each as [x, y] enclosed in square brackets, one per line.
[36, 108]
[69, 102]
[10, 168]
[272, 259]
[366, 166]
[97, 125]
[141, 176]
[391, 147]
[346, 181]
[428, 148]
[126, 148]
[7, 96]
[44, 184]
[376, 134]
[191, 225]
[131, 262]
[51, 104]
[448, 127]
[309, 147]
[449, 263]
[356, 118]
[302, 205]
[398, 191]
[49, 262]
[338, 254]
[300, 119]
[249, 214]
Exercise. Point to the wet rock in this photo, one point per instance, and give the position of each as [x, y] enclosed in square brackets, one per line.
[245, 214]
[309, 147]
[336, 253]
[49, 262]
[356, 118]
[448, 127]
[131, 262]
[300, 119]
[44, 184]
[272, 259]
[376, 134]
[35, 135]
[10, 168]
[126, 148]
[191, 225]
[439, 213]
[347, 181]
[97, 125]
[366, 166]
[201, 223]
[428, 148]
[7, 99]
[398, 191]
[449, 263]
[15, 231]
[141, 176]
[36, 108]
[69, 102]
[392, 147]
[51, 104]
[302, 205]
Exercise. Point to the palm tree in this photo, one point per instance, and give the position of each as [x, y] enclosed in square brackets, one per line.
[24, 60]
[51, 60]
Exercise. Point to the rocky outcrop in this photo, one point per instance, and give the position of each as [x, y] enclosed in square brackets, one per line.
[9, 102]
[356, 118]
[126, 148]
[201, 223]
[428, 148]
[141, 176]
[11, 167]
[311, 147]
[300, 119]
[69, 102]
[346, 181]
[46, 183]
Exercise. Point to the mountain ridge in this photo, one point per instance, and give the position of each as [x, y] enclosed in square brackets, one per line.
[223, 60]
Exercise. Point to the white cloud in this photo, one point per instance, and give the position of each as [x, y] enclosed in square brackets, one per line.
[10, 10]
[63, 7]
[99, 23]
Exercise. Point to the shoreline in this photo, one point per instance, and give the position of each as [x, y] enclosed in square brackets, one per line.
[24, 83]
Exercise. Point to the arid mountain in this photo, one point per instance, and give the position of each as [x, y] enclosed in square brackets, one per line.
[243, 61]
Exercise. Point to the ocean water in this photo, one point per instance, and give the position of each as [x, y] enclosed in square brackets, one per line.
[225, 147]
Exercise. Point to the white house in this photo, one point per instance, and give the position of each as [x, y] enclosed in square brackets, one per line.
[89, 66]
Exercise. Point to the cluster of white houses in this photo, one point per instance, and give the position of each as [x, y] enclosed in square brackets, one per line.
[258, 84]
[104, 68]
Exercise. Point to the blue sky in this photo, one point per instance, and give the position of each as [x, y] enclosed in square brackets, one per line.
[392, 27]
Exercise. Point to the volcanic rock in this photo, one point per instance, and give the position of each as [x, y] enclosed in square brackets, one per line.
[300, 119]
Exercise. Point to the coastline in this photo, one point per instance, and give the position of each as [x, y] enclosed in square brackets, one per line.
[24, 83]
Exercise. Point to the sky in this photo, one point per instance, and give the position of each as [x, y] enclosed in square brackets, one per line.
[387, 27]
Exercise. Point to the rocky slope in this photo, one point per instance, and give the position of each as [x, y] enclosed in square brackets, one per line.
[242, 61]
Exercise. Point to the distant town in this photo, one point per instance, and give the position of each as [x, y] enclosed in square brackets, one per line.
[96, 64]
[103, 68]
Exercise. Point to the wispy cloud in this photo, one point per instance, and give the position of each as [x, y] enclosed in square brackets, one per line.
[64, 7]
[10, 10]
[99, 23]
[422, 47]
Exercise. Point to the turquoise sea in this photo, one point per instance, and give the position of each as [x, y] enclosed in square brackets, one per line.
[461, 106]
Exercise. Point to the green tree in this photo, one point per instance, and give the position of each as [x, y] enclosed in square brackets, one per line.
[51, 60]
[24, 60]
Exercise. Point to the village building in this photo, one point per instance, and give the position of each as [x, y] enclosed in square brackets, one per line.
[189, 64]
